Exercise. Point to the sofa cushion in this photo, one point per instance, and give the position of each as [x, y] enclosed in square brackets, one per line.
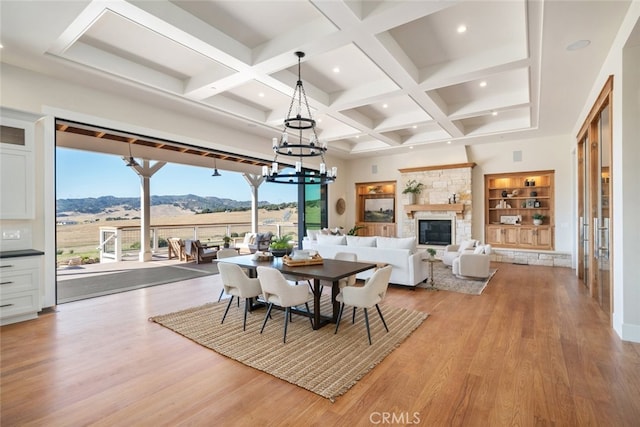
[479, 249]
[397, 243]
[331, 240]
[313, 234]
[361, 241]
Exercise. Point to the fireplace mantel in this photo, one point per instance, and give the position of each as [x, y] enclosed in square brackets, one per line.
[458, 208]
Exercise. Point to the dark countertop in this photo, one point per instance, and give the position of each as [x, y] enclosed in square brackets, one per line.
[19, 253]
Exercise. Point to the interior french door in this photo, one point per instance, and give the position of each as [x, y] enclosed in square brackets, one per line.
[594, 200]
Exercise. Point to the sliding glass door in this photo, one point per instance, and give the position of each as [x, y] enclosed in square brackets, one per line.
[594, 200]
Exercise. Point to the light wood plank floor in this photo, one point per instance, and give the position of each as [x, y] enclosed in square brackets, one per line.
[533, 349]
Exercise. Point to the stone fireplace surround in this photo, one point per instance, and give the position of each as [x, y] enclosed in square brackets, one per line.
[433, 202]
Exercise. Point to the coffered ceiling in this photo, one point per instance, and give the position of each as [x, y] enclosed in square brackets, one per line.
[379, 75]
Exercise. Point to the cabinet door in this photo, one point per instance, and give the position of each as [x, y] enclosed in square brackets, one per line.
[510, 236]
[17, 191]
[544, 237]
[493, 234]
[527, 237]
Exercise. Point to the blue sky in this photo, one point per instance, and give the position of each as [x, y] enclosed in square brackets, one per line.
[81, 174]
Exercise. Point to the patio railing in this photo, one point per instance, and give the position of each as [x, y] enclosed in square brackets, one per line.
[118, 243]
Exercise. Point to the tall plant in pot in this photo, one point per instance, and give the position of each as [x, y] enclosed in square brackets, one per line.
[412, 188]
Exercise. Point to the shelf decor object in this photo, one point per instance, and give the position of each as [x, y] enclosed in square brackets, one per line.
[299, 148]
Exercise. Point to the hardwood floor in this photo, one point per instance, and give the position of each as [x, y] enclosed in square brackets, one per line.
[533, 349]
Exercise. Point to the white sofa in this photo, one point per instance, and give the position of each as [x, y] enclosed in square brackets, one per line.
[408, 266]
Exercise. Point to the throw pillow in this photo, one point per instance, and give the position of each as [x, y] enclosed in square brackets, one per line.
[331, 240]
[466, 244]
[368, 242]
[313, 234]
[479, 249]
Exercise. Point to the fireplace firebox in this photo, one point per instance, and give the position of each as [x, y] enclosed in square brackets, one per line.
[436, 232]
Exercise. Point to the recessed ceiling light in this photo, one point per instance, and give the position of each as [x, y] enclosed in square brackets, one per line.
[577, 45]
[462, 28]
[448, 142]
[411, 147]
[261, 94]
[494, 113]
[336, 69]
[415, 126]
[483, 84]
[385, 105]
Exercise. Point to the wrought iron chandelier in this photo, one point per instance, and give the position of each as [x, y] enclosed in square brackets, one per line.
[299, 148]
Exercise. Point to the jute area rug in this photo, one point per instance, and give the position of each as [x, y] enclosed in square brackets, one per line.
[318, 361]
[444, 280]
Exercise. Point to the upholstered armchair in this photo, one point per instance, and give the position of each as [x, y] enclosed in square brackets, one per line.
[473, 264]
[451, 252]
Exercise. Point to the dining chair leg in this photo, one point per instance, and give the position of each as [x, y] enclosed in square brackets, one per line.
[227, 310]
[382, 317]
[222, 293]
[287, 314]
[339, 317]
[353, 316]
[366, 322]
[247, 301]
[266, 316]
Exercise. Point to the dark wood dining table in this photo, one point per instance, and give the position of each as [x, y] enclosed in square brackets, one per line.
[330, 270]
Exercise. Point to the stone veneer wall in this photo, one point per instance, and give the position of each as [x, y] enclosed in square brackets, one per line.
[438, 187]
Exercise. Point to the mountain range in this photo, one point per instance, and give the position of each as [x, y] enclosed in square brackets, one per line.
[196, 204]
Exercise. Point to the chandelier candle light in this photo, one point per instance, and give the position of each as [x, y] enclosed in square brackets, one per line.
[299, 148]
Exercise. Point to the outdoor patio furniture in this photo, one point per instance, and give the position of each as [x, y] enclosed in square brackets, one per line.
[203, 254]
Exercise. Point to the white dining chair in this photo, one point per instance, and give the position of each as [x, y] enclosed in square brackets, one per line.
[238, 285]
[367, 296]
[277, 290]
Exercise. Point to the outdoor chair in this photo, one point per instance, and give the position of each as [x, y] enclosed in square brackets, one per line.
[367, 296]
[261, 243]
[201, 254]
[176, 249]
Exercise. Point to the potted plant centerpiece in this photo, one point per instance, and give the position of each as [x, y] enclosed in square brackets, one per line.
[537, 218]
[280, 246]
[412, 188]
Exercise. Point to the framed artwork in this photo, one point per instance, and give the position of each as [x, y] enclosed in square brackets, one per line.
[379, 209]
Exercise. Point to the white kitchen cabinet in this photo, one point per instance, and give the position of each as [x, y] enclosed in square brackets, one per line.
[17, 170]
[19, 288]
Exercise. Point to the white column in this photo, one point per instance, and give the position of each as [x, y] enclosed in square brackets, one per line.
[254, 182]
[146, 171]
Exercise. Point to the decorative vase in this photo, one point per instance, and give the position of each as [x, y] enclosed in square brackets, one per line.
[537, 222]
[412, 198]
